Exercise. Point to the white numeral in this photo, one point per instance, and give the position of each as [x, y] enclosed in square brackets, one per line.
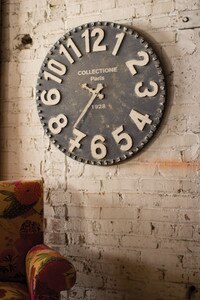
[57, 67]
[134, 62]
[100, 36]
[146, 92]
[71, 44]
[52, 97]
[119, 37]
[98, 149]
[76, 143]
[139, 119]
[119, 135]
[56, 124]
[48, 76]
[64, 51]
[86, 36]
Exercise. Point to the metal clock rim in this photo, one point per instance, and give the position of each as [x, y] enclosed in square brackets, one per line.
[160, 109]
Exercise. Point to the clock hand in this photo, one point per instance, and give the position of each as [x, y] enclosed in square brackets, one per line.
[86, 87]
[95, 93]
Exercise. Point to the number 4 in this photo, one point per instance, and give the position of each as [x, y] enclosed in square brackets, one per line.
[139, 119]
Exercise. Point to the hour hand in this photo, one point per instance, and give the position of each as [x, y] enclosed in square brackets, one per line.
[94, 91]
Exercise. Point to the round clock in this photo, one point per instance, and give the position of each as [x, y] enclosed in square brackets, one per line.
[101, 93]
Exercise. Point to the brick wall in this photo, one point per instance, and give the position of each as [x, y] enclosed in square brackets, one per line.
[132, 230]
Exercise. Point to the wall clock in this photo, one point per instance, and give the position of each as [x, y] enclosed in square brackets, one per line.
[101, 93]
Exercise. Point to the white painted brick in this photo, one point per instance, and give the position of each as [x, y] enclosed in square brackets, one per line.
[161, 260]
[160, 185]
[185, 5]
[53, 26]
[117, 14]
[178, 169]
[131, 241]
[120, 185]
[89, 185]
[125, 3]
[83, 212]
[94, 6]
[163, 8]
[163, 36]
[73, 9]
[118, 213]
[130, 229]
[73, 21]
[134, 169]
[163, 22]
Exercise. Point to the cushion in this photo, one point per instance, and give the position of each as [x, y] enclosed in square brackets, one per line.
[13, 291]
[21, 225]
[44, 265]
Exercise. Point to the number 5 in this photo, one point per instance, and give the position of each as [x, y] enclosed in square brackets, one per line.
[119, 136]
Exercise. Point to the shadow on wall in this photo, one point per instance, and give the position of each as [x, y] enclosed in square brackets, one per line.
[106, 269]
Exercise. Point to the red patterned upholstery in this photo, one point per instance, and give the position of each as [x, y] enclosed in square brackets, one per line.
[21, 228]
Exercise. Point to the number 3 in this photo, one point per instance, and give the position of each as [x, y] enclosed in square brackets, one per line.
[146, 92]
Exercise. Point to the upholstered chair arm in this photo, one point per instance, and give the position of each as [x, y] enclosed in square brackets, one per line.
[48, 273]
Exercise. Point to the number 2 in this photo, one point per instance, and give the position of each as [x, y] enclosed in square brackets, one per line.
[96, 46]
[134, 62]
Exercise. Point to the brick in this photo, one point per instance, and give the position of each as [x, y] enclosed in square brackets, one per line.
[160, 185]
[117, 14]
[118, 185]
[131, 241]
[188, 19]
[133, 228]
[183, 5]
[163, 36]
[118, 213]
[73, 9]
[163, 7]
[82, 212]
[96, 6]
[81, 185]
[163, 260]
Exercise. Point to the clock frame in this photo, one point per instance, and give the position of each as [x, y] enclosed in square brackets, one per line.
[101, 93]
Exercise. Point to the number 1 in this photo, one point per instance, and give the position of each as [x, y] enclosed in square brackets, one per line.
[119, 37]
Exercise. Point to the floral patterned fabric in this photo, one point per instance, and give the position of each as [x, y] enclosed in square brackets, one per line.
[13, 291]
[48, 273]
[21, 232]
[21, 225]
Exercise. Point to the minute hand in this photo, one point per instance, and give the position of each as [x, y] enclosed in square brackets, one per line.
[95, 93]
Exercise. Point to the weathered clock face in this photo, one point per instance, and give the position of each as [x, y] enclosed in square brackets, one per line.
[101, 93]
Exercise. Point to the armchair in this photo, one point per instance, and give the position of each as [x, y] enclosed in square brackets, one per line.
[28, 268]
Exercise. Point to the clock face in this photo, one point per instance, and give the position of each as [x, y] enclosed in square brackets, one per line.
[100, 93]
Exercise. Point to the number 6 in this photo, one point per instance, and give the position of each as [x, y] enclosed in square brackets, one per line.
[98, 149]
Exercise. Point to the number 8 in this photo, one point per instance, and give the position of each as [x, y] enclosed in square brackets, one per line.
[56, 124]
